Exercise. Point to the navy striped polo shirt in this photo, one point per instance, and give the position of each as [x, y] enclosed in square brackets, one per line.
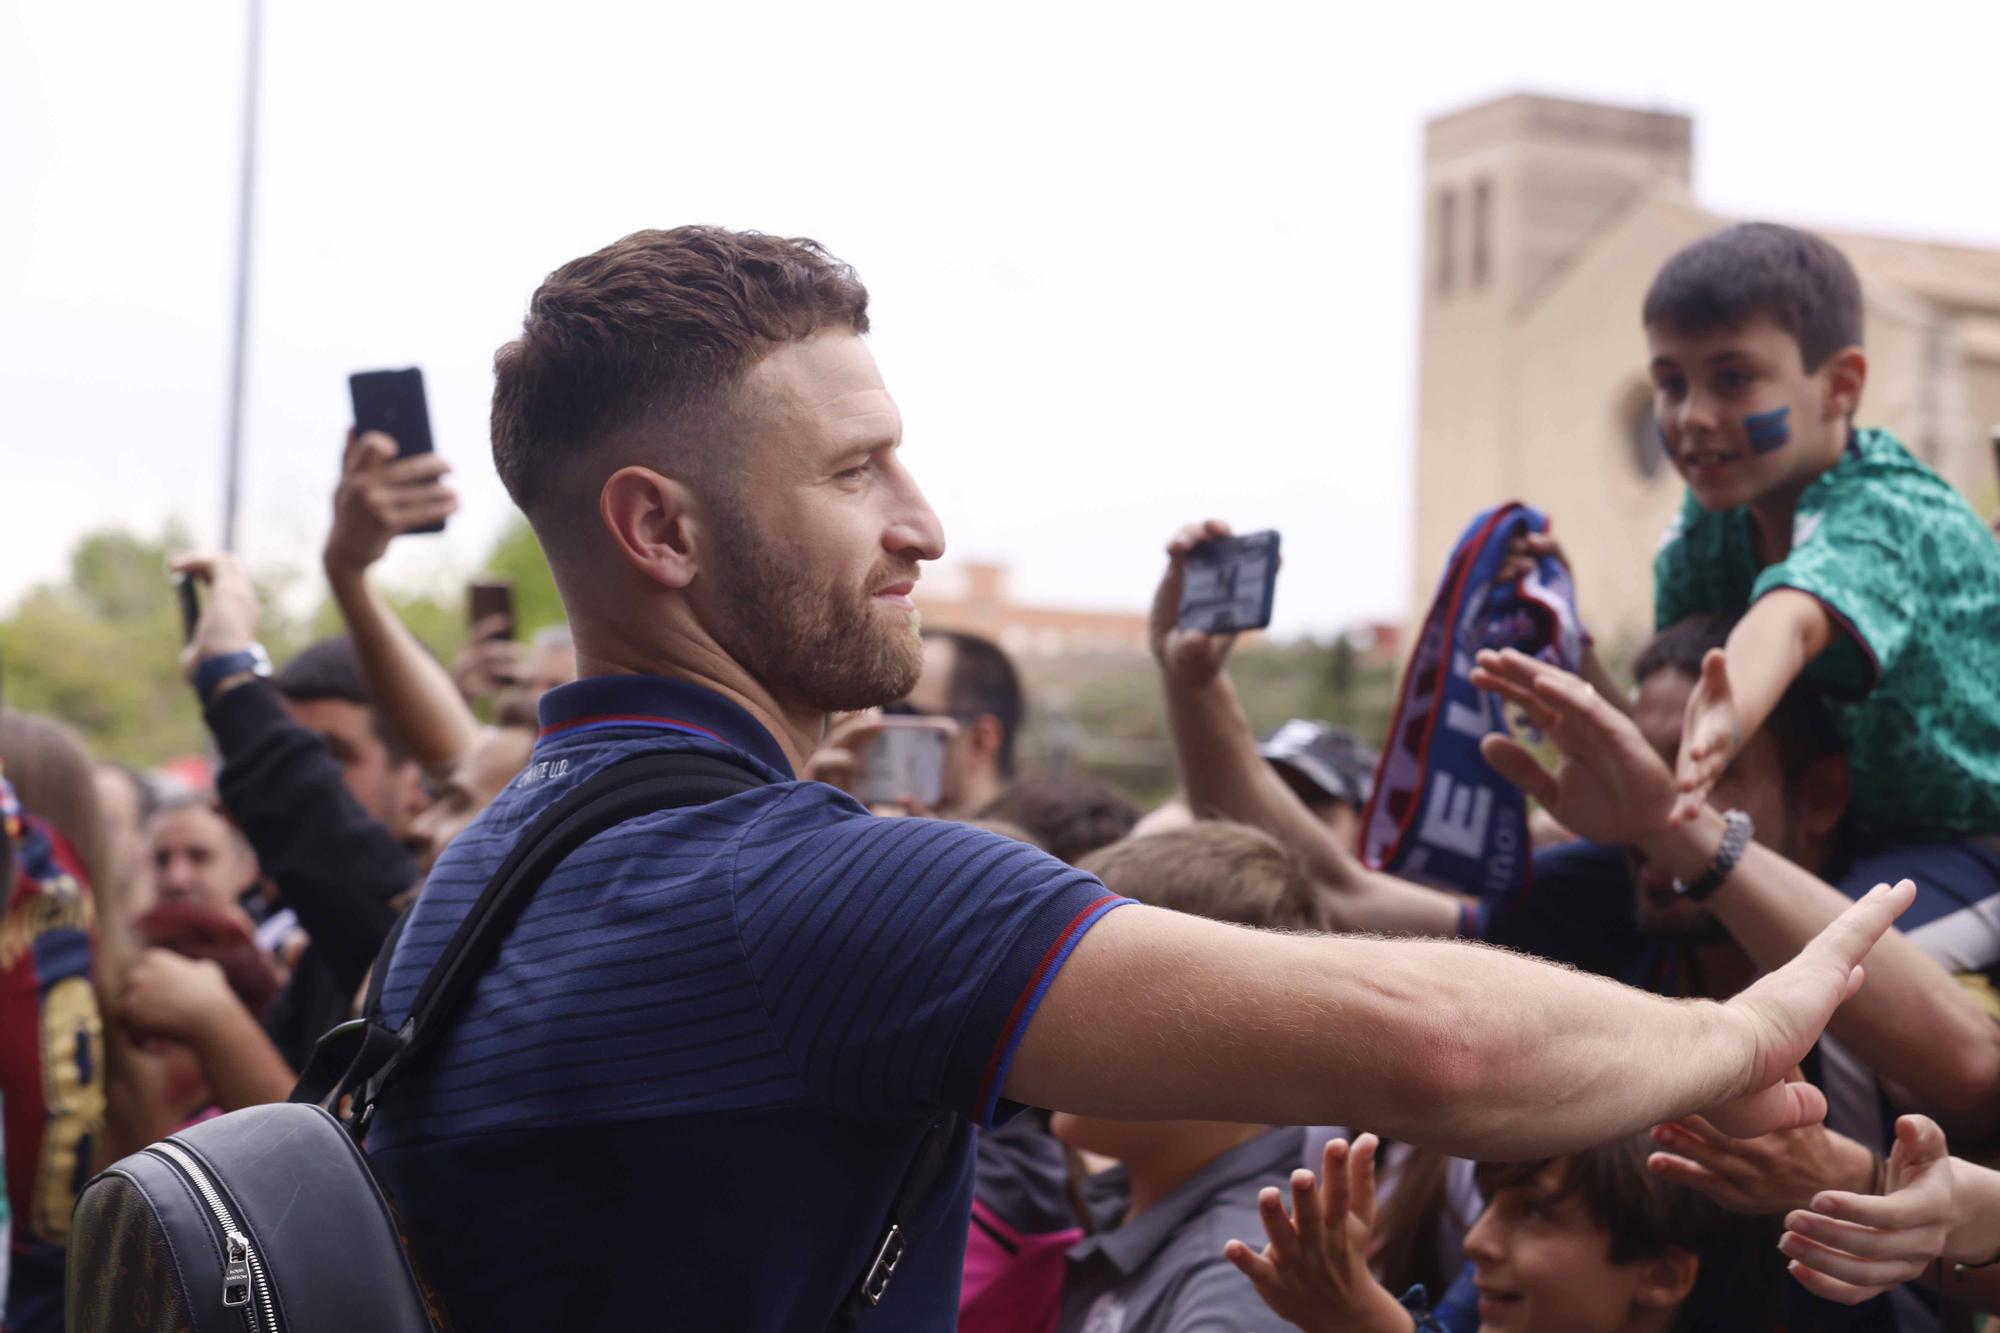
[686, 1092]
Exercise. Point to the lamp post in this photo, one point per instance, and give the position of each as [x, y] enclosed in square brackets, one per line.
[233, 456]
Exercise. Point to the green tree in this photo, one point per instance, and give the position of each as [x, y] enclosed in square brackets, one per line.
[101, 649]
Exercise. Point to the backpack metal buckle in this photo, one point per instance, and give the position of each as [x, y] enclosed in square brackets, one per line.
[884, 1267]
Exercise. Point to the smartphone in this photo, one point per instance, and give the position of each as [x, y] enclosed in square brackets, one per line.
[905, 762]
[190, 607]
[392, 401]
[1230, 583]
[486, 598]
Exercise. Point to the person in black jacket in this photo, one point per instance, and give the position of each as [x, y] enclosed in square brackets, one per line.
[320, 788]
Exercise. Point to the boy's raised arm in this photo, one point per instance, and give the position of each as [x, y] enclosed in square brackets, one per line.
[1225, 776]
[1740, 687]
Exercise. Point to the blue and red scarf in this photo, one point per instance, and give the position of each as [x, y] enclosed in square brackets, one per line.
[1439, 813]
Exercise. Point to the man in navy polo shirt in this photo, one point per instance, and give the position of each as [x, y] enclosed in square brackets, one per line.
[686, 1092]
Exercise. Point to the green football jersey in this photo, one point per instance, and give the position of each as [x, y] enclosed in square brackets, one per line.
[1911, 574]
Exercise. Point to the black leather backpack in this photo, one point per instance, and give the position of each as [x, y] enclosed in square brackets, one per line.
[269, 1219]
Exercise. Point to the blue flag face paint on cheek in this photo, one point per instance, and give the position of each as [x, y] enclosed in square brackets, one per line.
[1769, 431]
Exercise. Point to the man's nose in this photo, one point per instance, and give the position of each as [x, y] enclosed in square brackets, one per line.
[915, 531]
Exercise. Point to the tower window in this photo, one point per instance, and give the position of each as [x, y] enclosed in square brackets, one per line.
[1482, 231]
[1447, 240]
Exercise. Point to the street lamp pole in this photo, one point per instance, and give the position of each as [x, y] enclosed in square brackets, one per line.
[233, 460]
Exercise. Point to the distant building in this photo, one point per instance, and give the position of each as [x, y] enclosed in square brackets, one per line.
[1545, 221]
[979, 604]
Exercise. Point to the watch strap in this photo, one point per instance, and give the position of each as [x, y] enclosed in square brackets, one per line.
[1736, 835]
[212, 671]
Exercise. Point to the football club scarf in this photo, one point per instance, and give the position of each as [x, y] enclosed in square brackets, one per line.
[1439, 813]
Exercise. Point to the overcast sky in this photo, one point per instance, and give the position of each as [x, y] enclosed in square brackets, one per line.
[1130, 264]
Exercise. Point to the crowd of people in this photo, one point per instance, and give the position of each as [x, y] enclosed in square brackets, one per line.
[1594, 1003]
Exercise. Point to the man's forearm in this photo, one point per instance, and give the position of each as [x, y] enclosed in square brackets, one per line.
[1553, 1059]
[242, 1066]
[411, 687]
[1467, 1049]
[1912, 1023]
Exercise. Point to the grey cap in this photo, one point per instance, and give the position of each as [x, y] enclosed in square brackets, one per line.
[1331, 759]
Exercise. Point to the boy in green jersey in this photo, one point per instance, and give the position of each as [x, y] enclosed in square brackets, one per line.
[1856, 567]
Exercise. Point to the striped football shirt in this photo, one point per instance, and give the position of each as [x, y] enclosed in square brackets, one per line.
[685, 1093]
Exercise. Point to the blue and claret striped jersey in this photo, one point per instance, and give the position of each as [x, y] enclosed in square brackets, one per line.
[686, 1092]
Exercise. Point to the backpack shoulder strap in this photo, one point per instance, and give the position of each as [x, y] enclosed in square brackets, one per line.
[360, 1057]
[921, 1176]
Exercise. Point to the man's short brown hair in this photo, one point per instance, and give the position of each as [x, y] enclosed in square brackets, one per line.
[645, 336]
[1225, 872]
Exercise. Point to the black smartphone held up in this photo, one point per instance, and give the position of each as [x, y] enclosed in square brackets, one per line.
[1230, 583]
[392, 401]
[487, 598]
[190, 607]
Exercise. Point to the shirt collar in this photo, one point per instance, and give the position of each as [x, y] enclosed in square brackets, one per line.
[1131, 1246]
[629, 701]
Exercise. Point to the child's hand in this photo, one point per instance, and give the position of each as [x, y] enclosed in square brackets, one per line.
[1528, 550]
[1314, 1273]
[1852, 1247]
[1710, 737]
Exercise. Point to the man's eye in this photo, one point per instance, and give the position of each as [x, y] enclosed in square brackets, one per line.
[1671, 388]
[855, 473]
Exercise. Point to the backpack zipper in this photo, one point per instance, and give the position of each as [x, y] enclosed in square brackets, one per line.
[244, 1285]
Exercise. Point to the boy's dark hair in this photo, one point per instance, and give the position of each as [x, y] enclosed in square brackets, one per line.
[1645, 1216]
[1213, 869]
[983, 682]
[330, 669]
[1801, 723]
[1800, 282]
[1068, 815]
[638, 341]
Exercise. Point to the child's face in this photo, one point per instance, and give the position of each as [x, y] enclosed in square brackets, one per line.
[1543, 1266]
[1739, 414]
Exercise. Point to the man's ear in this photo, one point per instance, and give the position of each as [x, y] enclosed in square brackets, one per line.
[654, 524]
[1666, 1281]
[1823, 793]
[984, 736]
[1847, 374]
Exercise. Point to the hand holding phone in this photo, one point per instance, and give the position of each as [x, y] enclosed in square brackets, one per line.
[1230, 583]
[190, 607]
[392, 402]
[905, 762]
[490, 609]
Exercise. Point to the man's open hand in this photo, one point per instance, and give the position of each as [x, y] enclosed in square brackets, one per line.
[379, 496]
[1609, 786]
[1188, 657]
[1786, 1010]
[1710, 737]
[1761, 1177]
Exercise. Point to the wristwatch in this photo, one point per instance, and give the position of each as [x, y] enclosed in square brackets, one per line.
[212, 671]
[1737, 832]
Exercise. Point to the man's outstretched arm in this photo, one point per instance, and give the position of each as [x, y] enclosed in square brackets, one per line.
[1466, 1049]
